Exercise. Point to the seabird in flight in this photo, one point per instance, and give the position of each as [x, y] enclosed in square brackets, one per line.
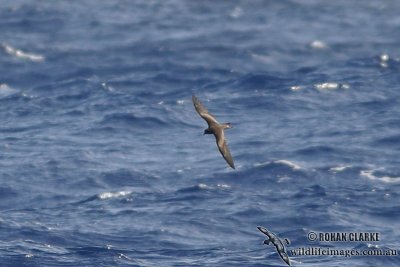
[215, 128]
[277, 242]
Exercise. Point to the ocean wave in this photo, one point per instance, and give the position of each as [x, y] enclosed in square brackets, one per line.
[339, 168]
[105, 196]
[112, 132]
[6, 90]
[384, 58]
[331, 86]
[297, 87]
[283, 162]
[370, 174]
[317, 44]
[21, 54]
[386, 61]
[321, 87]
[316, 150]
[262, 82]
[126, 177]
[311, 192]
[203, 186]
[131, 120]
[7, 193]
[292, 165]
[389, 141]
[108, 195]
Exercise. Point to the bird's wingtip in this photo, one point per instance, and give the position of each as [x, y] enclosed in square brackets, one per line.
[262, 229]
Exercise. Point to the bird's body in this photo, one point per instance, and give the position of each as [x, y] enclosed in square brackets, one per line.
[215, 128]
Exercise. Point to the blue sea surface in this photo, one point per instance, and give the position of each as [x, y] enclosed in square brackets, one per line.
[103, 161]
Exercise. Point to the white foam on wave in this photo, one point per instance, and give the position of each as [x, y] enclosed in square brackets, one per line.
[285, 162]
[339, 168]
[296, 87]
[107, 195]
[317, 44]
[330, 86]
[218, 186]
[327, 86]
[6, 90]
[21, 54]
[284, 178]
[262, 58]
[292, 165]
[384, 58]
[223, 186]
[202, 186]
[237, 12]
[107, 87]
[43, 247]
[386, 179]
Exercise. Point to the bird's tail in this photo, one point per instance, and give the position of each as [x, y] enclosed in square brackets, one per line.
[227, 125]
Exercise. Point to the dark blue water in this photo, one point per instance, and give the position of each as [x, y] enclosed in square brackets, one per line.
[103, 161]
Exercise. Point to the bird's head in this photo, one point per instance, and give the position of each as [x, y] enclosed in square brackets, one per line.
[206, 131]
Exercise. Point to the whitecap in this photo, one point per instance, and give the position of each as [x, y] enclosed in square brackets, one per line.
[107, 87]
[107, 195]
[384, 57]
[339, 168]
[123, 256]
[265, 59]
[317, 44]
[292, 165]
[6, 90]
[284, 178]
[262, 164]
[236, 12]
[223, 186]
[387, 179]
[384, 60]
[285, 162]
[21, 54]
[330, 86]
[202, 186]
[296, 88]
[326, 86]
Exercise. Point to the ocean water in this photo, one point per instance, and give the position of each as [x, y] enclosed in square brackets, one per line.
[102, 157]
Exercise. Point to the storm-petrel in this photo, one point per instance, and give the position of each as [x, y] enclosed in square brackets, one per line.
[215, 128]
[277, 242]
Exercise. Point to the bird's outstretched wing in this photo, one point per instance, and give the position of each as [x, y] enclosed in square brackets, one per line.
[203, 112]
[223, 146]
[264, 231]
[284, 256]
